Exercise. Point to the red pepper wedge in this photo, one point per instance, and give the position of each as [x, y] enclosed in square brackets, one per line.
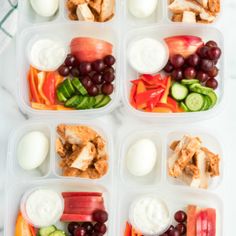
[128, 229]
[49, 87]
[32, 75]
[22, 227]
[167, 89]
[132, 96]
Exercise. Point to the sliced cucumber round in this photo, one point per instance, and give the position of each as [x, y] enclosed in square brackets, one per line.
[213, 97]
[74, 101]
[46, 231]
[194, 101]
[179, 92]
[79, 87]
[198, 88]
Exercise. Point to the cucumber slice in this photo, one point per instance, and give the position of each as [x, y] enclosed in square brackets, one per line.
[46, 231]
[83, 104]
[189, 81]
[91, 102]
[67, 83]
[61, 96]
[213, 97]
[78, 85]
[98, 99]
[206, 104]
[103, 102]
[178, 91]
[74, 101]
[198, 88]
[194, 101]
[184, 107]
[57, 233]
[62, 89]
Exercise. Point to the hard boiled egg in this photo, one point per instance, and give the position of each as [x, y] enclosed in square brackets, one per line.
[45, 8]
[32, 150]
[141, 157]
[142, 8]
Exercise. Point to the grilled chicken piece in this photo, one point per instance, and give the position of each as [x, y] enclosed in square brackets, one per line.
[84, 13]
[107, 10]
[189, 17]
[83, 157]
[204, 3]
[79, 135]
[96, 5]
[214, 6]
[177, 17]
[207, 16]
[60, 149]
[179, 6]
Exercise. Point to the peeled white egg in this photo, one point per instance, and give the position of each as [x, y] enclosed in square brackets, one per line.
[32, 150]
[141, 157]
[45, 8]
[142, 8]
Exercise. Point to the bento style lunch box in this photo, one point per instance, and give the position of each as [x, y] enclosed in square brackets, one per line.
[69, 174]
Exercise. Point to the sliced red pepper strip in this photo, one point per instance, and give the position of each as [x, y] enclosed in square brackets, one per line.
[49, 87]
[22, 227]
[41, 79]
[152, 79]
[154, 101]
[167, 90]
[132, 96]
[165, 105]
[128, 229]
[148, 95]
[172, 102]
[33, 85]
[141, 87]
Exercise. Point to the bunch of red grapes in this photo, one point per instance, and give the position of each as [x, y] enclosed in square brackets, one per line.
[89, 229]
[96, 77]
[180, 229]
[200, 65]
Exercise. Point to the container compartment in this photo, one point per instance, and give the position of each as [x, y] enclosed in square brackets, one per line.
[160, 32]
[208, 141]
[65, 32]
[153, 178]
[16, 192]
[13, 167]
[175, 199]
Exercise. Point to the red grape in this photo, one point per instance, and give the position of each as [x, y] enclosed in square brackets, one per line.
[211, 43]
[100, 216]
[202, 51]
[100, 228]
[193, 60]
[63, 70]
[110, 69]
[190, 73]
[97, 79]
[170, 229]
[86, 82]
[202, 76]
[80, 231]
[177, 74]
[108, 76]
[177, 60]
[109, 60]
[85, 68]
[214, 72]
[107, 89]
[93, 90]
[71, 60]
[206, 65]
[98, 65]
[214, 53]
[180, 216]
[75, 72]
[88, 226]
[212, 83]
[165, 234]
[72, 226]
[169, 67]
[174, 232]
[181, 228]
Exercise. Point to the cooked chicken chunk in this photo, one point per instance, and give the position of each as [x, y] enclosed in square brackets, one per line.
[96, 5]
[189, 17]
[107, 10]
[84, 13]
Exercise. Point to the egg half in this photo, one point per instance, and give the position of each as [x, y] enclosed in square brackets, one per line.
[142, 8]
[45, 8]
[32, 150]
[141, 157]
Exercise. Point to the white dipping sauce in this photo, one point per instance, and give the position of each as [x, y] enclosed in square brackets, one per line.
[32, 150]
[147, 55]
[47, 54]
[141, 157]
[142, 8]
[150, 215]
[44, 207]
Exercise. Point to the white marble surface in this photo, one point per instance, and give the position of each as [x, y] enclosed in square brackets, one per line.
[225, 124]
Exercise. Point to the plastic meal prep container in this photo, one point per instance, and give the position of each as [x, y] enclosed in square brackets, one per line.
[160, 32]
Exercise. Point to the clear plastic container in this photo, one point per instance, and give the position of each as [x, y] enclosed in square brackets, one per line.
[160, 32]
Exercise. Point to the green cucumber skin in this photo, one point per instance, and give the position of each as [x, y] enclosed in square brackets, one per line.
[194, 107]
[189, 82]
[47, 230]
[179, 91]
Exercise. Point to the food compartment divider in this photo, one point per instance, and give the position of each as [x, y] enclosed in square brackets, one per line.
[160, 31]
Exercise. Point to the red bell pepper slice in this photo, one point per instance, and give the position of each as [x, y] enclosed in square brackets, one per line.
[132, 96]
[32, 78]
[22, 227]
[167, 89]
[128, 229]
[148, 95]
[141, 87]
[154, 101]
[172, 102]
[49, 87]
